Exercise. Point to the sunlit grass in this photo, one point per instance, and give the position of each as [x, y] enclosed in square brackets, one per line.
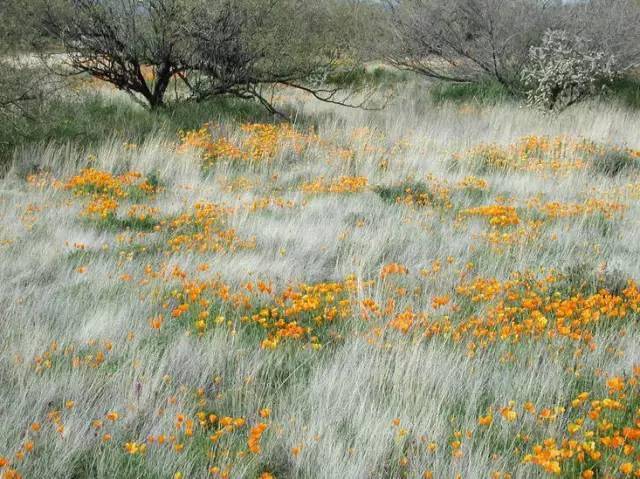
[405, 293]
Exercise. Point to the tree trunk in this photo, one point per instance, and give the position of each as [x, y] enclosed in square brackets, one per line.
[155, 103]
[163, 77]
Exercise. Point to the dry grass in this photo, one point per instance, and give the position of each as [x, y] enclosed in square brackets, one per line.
[352, 397]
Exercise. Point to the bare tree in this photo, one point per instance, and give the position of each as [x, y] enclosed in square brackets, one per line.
[22, 82]
[290, 42]
[234, 47]
[464, 40]
[116, 40]
[613, 26]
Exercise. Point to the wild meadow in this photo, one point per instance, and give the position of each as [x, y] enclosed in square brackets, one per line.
[434, 290]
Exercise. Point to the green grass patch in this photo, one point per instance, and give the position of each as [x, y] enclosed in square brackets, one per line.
[109, 462]
[115, 223]
[584, 278]
[484, 92]
[614, 162]
[471, 196]
[89, 120]
[362, 76]
[626, 91]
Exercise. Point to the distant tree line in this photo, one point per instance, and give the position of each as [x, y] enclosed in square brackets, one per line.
[555, 52]
[225, 47]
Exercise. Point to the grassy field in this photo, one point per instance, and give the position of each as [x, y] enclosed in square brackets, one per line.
[438, 289]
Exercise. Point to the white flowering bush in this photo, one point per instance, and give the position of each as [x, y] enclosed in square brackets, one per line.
[564, 70]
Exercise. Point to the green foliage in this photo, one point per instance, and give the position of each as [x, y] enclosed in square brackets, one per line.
[626, 90]
[113, 223]
[471, 195]
[393, 194]
[584, 278]
[485, 92]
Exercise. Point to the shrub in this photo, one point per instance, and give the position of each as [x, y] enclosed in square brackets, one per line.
[564, 70]
[613, 162]
[626, 90]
